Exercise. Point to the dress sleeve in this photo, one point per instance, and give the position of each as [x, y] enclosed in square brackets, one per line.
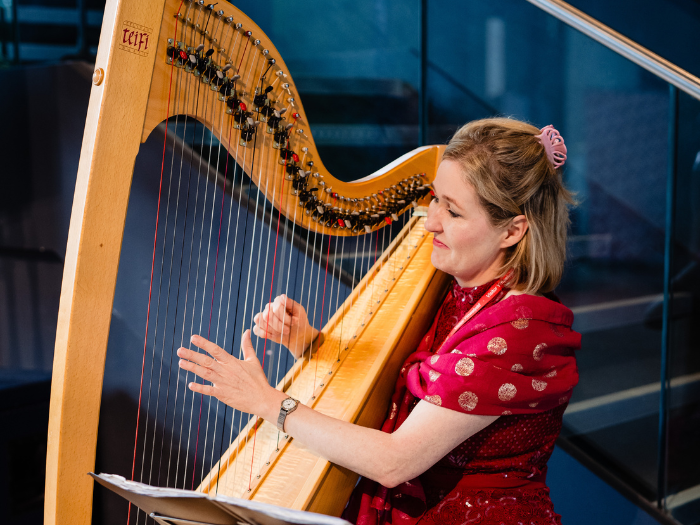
[512, 368]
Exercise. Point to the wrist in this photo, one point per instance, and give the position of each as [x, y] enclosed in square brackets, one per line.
[272, 405]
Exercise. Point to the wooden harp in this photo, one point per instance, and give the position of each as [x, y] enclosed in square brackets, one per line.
[163, 58]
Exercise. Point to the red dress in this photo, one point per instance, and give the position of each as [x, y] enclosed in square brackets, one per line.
[514, 359]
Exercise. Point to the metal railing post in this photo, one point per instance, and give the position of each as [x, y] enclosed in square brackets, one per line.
[662, 452]
[423, 93]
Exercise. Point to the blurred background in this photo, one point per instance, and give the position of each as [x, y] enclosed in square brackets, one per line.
[377, 79]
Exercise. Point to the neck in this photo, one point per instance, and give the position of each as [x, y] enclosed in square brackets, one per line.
[477, 280]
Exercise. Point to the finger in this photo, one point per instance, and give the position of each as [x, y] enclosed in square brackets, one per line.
[293, 307]
[263, 334]
[275, 324]
[247, 347]
[271, 322]
[282, 316]
[205, 373]
[212, 349]
[196, 357]
[202, 389]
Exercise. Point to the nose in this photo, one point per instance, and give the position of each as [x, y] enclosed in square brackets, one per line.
[432, 223]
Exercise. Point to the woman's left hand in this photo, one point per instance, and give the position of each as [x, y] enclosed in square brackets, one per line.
[241, 384]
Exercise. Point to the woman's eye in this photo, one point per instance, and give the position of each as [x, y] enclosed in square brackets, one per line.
[452, 214]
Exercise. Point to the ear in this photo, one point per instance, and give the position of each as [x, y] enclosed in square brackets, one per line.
[515, 231]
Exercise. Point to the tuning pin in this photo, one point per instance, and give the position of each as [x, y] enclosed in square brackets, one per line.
[283, 111]
[226, 67]
[235, 77]
[199, 47]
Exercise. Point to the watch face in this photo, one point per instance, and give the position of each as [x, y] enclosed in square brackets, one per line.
[288, 403]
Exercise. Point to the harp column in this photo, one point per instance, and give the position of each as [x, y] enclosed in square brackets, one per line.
[115, 117]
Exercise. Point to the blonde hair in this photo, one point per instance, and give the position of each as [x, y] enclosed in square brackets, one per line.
[509, 169]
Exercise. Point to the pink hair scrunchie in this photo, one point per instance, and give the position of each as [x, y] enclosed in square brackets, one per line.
[553, 144]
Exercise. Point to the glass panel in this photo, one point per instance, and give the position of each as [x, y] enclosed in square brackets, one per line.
[524, 63]
[683, 488]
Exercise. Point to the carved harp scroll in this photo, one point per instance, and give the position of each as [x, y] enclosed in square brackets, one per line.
[151, 53]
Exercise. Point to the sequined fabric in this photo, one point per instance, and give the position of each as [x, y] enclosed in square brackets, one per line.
[498, 475]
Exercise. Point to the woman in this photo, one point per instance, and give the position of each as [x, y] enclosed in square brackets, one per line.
[478, 406]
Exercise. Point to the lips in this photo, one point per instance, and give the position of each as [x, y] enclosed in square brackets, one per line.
[438, 244]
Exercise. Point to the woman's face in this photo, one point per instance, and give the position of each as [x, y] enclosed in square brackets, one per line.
[465, 243]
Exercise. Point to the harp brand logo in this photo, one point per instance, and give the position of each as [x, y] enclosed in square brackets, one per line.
[134, 38]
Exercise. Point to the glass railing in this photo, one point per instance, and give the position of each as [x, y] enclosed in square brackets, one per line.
[633, 142]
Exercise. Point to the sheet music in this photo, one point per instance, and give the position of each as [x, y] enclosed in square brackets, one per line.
[244, 511]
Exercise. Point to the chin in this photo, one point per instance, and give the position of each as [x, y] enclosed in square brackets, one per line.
[437, 263]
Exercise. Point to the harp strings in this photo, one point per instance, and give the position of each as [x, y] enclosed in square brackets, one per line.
[177, 308]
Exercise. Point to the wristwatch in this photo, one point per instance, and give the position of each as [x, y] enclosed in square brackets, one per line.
[288, 406]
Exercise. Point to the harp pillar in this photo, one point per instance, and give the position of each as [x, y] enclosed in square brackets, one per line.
[112, 136]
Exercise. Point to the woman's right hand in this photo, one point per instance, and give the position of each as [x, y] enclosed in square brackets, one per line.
[285, 321]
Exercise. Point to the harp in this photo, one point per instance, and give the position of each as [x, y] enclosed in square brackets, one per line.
[167, 59]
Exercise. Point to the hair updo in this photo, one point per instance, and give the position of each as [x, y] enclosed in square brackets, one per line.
[508, 167]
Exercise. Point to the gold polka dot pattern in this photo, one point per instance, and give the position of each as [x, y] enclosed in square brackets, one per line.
[433, 375]
[517, 367]
[520, 324]
[468, 401]
[538, 353]
[464, 366]
[434, 359]
[539, 385]
[435, 400]
[507, 392]
[497, 345]
[524, 315]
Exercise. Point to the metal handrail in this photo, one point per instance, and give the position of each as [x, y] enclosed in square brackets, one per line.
[622, 45]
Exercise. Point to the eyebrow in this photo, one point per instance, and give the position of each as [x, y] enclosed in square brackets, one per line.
[448, 199]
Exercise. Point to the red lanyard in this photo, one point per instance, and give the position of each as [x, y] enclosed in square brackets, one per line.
[483, 301]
